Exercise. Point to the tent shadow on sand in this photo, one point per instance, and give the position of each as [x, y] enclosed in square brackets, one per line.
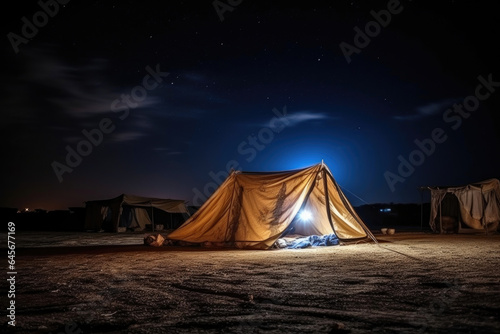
[252, 210]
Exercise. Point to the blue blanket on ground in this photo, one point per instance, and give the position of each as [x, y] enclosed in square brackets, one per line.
[315, 240]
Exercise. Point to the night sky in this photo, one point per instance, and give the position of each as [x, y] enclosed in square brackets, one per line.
[161, 98]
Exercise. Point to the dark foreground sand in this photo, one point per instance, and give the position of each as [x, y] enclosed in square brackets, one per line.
[410, 282]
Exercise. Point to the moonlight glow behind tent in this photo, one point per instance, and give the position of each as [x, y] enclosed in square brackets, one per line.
[308, 152]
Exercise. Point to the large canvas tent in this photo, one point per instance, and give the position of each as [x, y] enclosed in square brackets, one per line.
[468, 208]
[134, 212]
[254, 209]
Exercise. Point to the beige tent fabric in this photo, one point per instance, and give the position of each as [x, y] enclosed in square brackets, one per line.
[252, 210]
[471, 205]
[140, 218]
[437, 196]
[168, 205]
[479, 203]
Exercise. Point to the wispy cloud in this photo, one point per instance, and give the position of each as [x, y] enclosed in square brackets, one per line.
[116, 136]
[78, 91]
[305, 116]
[296, 118]
[427, 110]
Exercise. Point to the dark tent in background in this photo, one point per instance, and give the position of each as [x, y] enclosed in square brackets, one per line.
[134, 212]
[471, 208]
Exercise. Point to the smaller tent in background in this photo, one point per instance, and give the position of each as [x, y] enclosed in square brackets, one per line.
[134, 212]
[469, 208]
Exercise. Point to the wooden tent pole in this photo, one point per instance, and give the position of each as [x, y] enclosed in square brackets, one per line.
[440, 217]
[421, 209]
[327, 198]
[152, 216]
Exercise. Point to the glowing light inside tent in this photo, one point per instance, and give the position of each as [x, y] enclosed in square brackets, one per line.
[305, 215]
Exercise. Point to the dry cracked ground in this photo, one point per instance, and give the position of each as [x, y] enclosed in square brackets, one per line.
[111, 283]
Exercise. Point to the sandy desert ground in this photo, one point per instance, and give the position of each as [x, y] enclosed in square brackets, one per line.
[111, 283]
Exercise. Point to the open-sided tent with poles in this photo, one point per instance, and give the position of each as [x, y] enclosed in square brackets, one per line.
[134, 212]
[473, 207]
